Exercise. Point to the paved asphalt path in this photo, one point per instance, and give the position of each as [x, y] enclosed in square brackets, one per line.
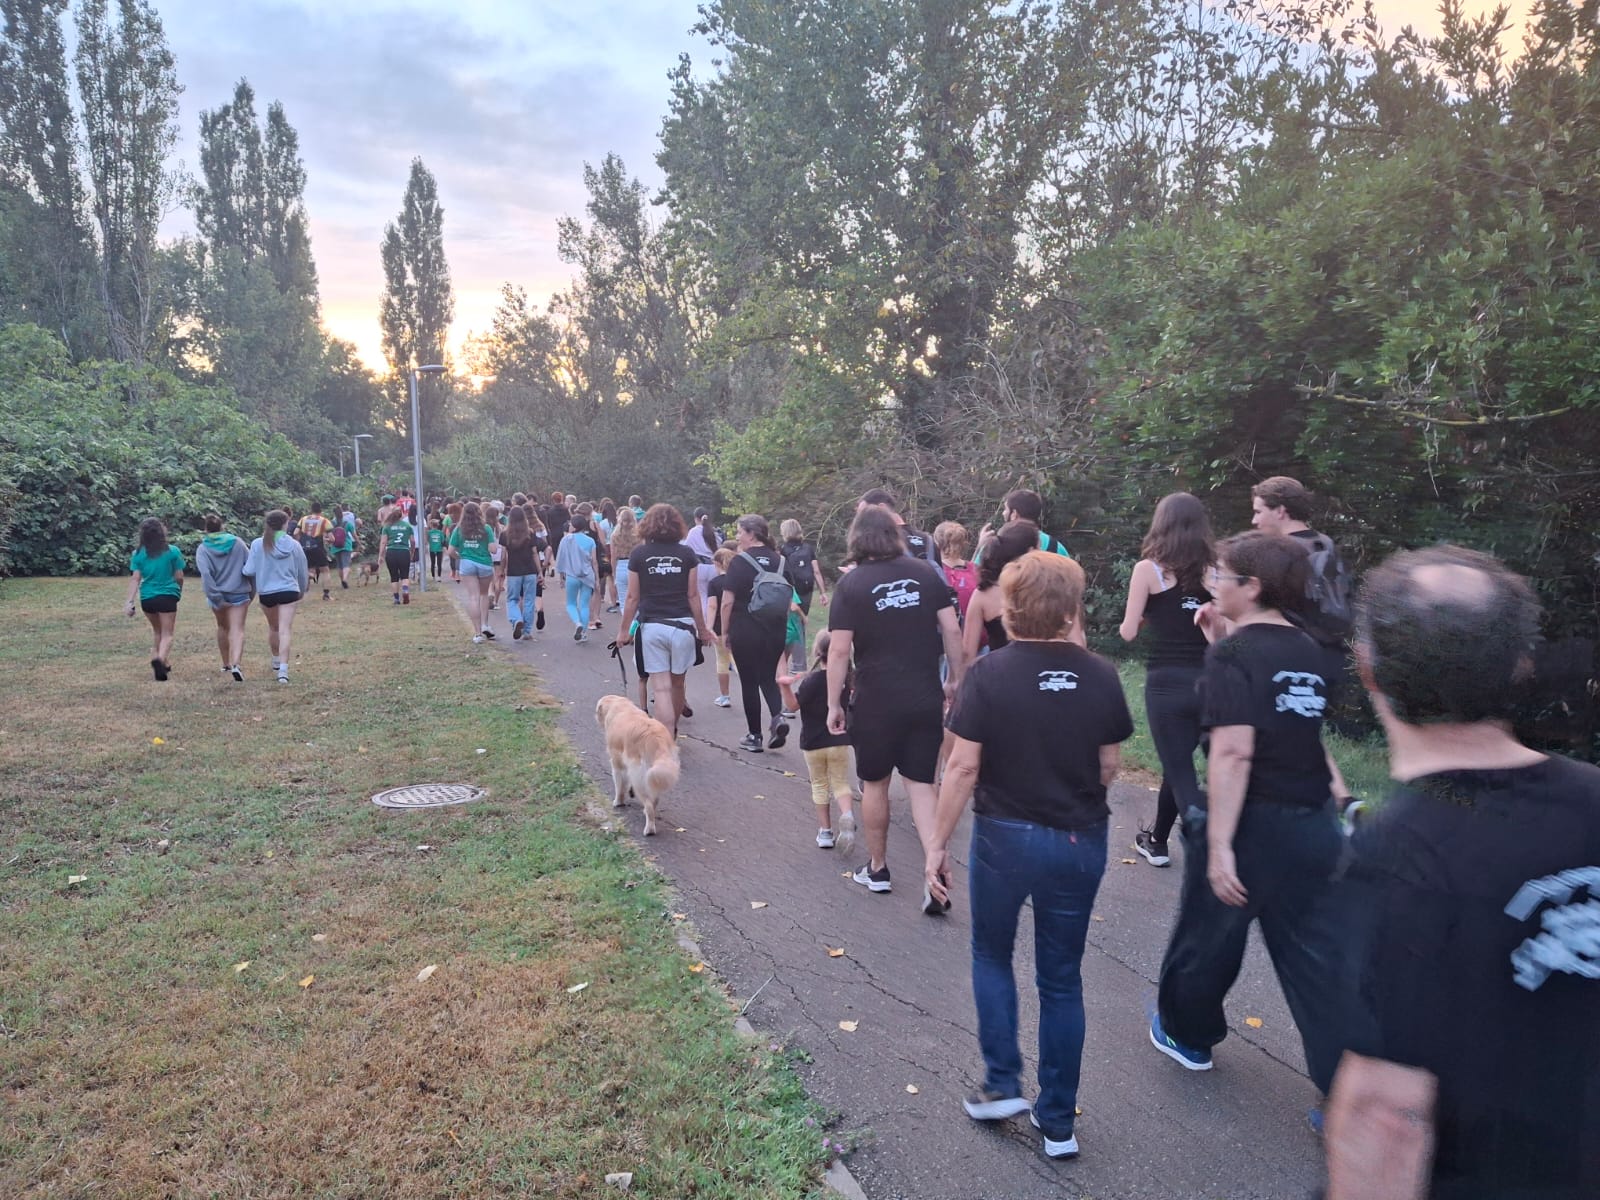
[1148, 1129]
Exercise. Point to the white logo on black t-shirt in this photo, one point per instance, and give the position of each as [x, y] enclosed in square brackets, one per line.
[1569, 940]
[1192, 604]
[902, 593]
[1058, 681]
[664, 564]
[1300, 694]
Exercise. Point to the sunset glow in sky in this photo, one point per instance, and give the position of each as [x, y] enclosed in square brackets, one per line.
[505, 102]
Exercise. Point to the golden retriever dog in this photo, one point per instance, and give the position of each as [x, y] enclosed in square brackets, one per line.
[644, 758]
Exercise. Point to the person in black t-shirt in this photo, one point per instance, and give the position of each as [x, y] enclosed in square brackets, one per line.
[756, 638]
[1269, 840]
[1475, 894]
[664, 595]
[894, 613]
[916, 543]
[827, 756]
[1038, 728]
[556, 517]
[1165, 592]
[716, 603]
[805, 572]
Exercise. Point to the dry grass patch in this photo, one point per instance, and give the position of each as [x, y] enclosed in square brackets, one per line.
[135, 1060]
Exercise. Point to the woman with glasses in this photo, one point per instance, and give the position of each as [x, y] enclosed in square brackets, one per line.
[1268, 840]
[1165, 592]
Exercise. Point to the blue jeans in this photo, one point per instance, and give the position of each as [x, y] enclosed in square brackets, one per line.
[621, 572]
[521, 591]
[1060, 870]
[578, 594]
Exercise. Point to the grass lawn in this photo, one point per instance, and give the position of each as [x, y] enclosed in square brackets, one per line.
[228, 1004]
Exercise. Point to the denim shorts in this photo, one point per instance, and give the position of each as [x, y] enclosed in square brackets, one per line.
[228, 600]
[476, 569]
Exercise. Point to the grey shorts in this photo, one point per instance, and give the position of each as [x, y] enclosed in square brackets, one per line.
[667, 649]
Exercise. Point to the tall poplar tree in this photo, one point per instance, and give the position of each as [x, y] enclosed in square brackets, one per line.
[418, 303]
[128, 89]
[44, 240]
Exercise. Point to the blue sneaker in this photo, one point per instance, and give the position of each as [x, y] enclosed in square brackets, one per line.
[1193, 1060]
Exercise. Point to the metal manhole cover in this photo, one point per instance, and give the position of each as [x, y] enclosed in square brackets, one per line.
[427, 795]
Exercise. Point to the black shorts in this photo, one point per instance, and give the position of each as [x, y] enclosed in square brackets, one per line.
[399, 564]
[891, 739]
[273, 599]
[316, 556]
[159, 604]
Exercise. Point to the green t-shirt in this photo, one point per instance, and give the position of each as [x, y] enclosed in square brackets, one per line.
[474, 549]
[156, 574]
[435, 540]
[397, 536]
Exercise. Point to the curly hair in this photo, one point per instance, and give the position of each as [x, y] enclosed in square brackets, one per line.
[663, 524]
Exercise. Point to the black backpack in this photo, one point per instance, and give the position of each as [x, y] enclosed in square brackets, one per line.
[798, 560]
[1330, 616]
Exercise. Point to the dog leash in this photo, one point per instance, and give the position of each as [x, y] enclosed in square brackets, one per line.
[616, 653]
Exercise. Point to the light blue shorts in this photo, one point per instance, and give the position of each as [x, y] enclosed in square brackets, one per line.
[228, 600]
[477, 570]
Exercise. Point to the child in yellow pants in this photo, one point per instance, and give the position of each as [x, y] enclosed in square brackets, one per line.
[827, 755]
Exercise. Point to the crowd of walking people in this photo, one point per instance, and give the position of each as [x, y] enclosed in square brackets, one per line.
[1440, 957]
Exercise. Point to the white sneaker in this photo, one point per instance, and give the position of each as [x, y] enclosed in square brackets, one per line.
[1067, 1148]
[847, 832]
[477, 639]
[825, 838]
[723, 702]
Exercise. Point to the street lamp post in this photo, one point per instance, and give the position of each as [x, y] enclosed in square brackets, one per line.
[355, 440]
[416, 457]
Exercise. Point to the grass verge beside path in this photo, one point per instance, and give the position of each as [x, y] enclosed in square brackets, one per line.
[138, 1057]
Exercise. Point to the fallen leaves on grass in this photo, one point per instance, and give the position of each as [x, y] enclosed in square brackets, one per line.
[577, 987]
[308, 981]
[849, 1026]
[75, 879]
[319, 937]
[620, 1179]
[158, 741]
[240, 967]
[696, 968]
[427, 972]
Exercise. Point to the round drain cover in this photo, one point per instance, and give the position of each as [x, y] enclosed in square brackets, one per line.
[427, 795]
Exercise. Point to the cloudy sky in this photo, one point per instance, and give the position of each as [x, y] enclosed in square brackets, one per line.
[505, 101]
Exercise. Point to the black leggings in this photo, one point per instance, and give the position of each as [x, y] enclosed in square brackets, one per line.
[1172, 707]
[756, 653]
[435, 561]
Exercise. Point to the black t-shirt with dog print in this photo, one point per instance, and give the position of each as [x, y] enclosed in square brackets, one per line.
[1272, 678]
[1041, 711]
[663, 570]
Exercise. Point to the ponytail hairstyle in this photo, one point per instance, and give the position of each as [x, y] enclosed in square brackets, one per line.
[708, 529]
[820, 663]
[153, 537]
[756, 527]
[276, 520]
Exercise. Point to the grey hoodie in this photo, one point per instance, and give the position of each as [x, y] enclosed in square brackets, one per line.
[280, 569]
[220, 559]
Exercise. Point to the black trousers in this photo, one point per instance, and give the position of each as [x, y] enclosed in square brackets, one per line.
[1286, 857]
[1172, 707]
[756, 652]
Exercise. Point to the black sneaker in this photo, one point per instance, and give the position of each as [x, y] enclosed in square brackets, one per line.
[489, 633]
[873, 881]
[238, 675]
[686, 711]
[1056, 1147]
[159, 668]
[932, 907]
[780, 734]
[1152, 851]
[992, 1106]
[577, 634]
[516, 631]
[752, 743]
[538, 620]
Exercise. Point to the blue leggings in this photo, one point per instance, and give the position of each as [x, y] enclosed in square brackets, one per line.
[578, 596]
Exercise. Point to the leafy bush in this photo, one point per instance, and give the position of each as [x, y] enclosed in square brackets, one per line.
[91, 449]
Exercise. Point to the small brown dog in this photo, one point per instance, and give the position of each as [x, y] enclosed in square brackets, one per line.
[644, 759]
[367, 572]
